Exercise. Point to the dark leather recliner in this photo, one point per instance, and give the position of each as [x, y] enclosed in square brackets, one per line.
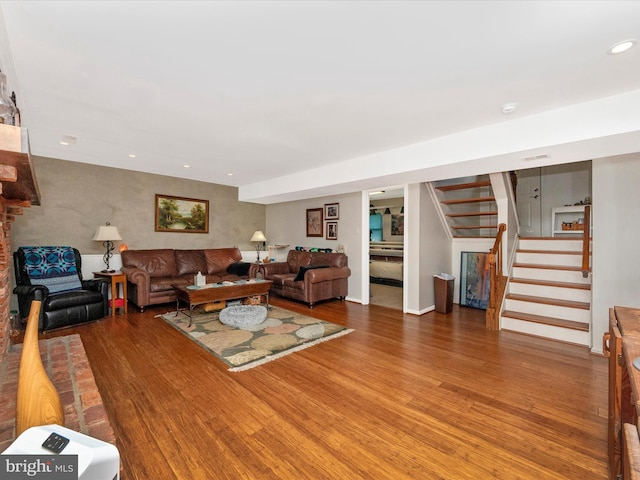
[63, 309]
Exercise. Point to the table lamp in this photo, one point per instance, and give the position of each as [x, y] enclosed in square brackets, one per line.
[107, 234]
[258, 237]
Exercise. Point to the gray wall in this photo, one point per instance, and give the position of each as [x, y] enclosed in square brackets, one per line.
[286, 225]
[427, 249]
[76, 198]
[615, 262]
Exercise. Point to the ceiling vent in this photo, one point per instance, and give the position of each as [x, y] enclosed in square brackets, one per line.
[537, 157]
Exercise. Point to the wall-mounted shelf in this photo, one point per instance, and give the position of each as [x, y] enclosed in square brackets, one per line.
[566, 214]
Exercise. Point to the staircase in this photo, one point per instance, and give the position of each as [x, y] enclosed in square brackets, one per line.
[469, 206]
[547, 294]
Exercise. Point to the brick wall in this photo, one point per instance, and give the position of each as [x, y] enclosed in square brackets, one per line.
[66, 364]
[64, 359]
[5, 280]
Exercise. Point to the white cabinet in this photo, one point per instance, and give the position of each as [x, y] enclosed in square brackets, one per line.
[566, 214]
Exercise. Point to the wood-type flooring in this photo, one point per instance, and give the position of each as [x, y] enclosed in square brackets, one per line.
[402, 397]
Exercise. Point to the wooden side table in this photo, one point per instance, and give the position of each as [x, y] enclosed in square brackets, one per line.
[116, 278]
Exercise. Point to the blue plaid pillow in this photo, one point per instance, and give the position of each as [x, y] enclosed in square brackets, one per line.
[53, 267]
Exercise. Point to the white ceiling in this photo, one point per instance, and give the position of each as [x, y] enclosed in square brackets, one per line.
[293, 96]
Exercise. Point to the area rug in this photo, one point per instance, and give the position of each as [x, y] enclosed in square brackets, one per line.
[282, 333]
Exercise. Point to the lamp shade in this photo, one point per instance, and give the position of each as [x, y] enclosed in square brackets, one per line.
[258, 236]
[106, 232]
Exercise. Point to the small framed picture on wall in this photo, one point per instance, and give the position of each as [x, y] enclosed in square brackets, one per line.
[314, 222]
[332, 231]
[331, 211]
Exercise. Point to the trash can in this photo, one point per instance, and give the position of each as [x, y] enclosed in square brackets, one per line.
[443, 292]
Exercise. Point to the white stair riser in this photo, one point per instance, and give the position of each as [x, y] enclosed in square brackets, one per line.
[546, 331]
[564, 313]
[551, 245]
[545, 291]
[550, 275]
[568, 260]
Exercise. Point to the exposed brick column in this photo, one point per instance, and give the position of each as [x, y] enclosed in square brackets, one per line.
[66, 363]
[5, 281]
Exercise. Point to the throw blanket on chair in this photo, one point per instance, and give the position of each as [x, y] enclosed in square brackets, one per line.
[53, 267]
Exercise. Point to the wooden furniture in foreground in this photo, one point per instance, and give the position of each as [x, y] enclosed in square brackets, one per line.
[193, 296]
[622, 346]
[631, 460]
[38, 401]
[116, 278]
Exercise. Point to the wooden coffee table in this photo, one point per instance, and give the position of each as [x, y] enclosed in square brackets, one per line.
[194, 296]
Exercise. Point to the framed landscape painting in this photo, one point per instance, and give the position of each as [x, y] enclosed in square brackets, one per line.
[179, 214]
[474, 280]
[314, 222]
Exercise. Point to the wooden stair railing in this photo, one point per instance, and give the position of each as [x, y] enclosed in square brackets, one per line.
[498, 282]
[38, 402]
[586, 236]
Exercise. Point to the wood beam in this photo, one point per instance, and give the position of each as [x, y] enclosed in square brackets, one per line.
[8, 173]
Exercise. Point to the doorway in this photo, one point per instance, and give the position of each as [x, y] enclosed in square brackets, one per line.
[386, 248]
[529, 201]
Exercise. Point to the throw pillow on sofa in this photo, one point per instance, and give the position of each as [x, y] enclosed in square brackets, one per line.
[303, 270]
[240, 269]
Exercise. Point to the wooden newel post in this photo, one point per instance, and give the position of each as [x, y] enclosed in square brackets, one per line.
[491, 320]
[38, 401]
[497, 282]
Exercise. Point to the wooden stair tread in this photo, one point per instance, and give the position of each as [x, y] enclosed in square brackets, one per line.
[462, 186]
[548, 267]
[549, 301]
[459, 201]
[556, 322]
[553, 252]
[548, 283]
[470, 214]
[467, 237]
[555, 239]
[473, 227]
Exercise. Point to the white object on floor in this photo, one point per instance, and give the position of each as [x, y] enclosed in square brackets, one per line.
[243, 315]
[96, 459]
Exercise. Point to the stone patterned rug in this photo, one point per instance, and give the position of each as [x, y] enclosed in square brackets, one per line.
[282, 333]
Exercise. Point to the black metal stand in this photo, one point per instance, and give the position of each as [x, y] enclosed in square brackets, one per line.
[108, 244]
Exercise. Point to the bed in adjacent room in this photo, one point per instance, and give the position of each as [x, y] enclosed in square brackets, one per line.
[386, 263]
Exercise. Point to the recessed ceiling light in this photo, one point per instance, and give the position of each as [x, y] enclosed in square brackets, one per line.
[380, 192]
[187, 166]
[508, 108]
[622, 47]
[230, 174]
[132, 155]
[68, 140]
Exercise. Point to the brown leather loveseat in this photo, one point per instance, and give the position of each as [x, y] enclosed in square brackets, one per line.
[309, 276]
[151, 274]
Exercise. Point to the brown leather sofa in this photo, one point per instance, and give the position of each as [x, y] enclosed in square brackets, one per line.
[309, 276]
[152, 273]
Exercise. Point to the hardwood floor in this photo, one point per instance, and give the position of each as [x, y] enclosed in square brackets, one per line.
[402, 397]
